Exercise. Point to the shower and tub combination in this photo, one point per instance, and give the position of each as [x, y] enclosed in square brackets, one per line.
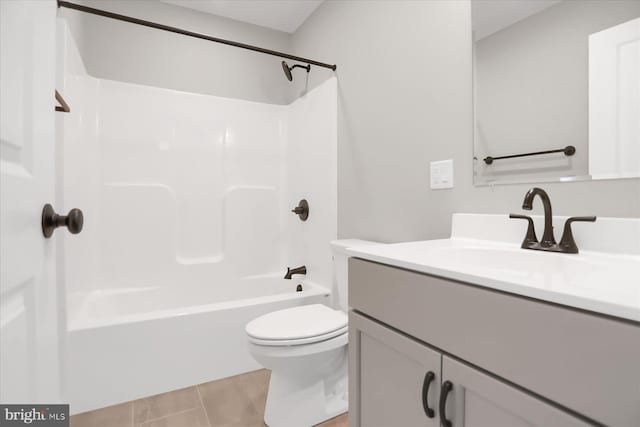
[188, 229]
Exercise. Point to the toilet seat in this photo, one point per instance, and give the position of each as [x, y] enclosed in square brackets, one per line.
[299, 341]
[293, 352]
[297, 326]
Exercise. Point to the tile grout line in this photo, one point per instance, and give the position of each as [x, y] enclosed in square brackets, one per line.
[148, 420]
[206, 414]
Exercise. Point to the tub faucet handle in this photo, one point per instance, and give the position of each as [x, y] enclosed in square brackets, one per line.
[302, 210]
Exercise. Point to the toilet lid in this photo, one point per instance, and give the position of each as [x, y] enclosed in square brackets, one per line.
[297, 323]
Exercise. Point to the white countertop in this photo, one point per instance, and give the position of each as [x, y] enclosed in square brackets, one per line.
[600, 282]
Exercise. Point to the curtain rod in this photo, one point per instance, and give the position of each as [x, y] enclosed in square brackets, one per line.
[176, 30]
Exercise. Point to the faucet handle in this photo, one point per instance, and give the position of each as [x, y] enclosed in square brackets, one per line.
[530, 239]
[567, 243]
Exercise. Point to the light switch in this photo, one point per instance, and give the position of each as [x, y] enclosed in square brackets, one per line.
[442, 174]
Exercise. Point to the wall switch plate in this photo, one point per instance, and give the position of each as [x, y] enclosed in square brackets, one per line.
[442, 174]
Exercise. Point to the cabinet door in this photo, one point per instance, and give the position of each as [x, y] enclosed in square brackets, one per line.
[479, 400]
[394, 380]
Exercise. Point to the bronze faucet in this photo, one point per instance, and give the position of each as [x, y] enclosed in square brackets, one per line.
[567, 243]
[547, 236]
[297, 270]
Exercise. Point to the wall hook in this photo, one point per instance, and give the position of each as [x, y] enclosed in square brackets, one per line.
[64, 107]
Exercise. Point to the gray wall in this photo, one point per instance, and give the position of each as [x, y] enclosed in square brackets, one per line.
[532, 88]
[405, 99]
[132, 53]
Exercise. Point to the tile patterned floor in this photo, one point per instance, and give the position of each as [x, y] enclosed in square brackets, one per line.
[231, 402]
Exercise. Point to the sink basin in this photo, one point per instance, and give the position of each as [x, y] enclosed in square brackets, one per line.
[596, 281]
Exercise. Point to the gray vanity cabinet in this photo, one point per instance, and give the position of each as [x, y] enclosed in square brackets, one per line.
[388, 377]
[512, 360]
[395, 376]
[479, 400]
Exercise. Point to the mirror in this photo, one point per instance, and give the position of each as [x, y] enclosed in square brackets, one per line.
[556, 90]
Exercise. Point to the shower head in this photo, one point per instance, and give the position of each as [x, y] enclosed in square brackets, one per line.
[287, 69]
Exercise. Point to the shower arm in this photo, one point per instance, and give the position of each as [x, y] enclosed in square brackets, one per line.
[176, 30]
[306, 67]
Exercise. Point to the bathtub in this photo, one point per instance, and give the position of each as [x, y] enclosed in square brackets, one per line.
[124, 344]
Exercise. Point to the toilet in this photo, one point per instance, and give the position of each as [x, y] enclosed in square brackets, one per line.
[306, 350]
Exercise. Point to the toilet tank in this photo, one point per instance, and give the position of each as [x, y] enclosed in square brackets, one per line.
[340, 272]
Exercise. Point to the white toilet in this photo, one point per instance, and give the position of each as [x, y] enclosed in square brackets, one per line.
[306, 349]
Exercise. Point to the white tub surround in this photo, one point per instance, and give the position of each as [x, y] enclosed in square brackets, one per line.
[485, 250]
[117, 307]
[188, 228]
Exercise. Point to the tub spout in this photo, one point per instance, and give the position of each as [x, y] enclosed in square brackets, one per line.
[297, 270]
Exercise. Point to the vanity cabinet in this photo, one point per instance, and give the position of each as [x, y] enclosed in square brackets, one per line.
[511, 360]
[401, 382]
[398, 378]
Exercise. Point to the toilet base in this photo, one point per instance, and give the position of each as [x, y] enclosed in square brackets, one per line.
[305, 390]
[296, 404]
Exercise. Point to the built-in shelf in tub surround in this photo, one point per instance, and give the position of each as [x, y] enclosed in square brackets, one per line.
[485, 250]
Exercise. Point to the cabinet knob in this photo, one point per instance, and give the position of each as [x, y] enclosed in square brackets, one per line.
[428, 379]
[447, 386]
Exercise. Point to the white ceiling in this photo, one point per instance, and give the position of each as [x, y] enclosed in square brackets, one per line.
[282, 15]
[491, 16]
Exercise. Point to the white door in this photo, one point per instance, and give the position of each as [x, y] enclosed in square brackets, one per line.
[29, 367]
[614, 101]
